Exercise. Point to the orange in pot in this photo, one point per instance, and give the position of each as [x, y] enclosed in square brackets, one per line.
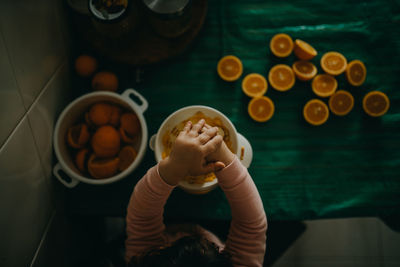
[81, 159]
[115, 115]
[333, 63]
[281, 77]
[126, 156]
[281, 45]
[316, 112]
[230, 68]
[254, 85]
[106, 142]
[261, 108]
[324, 85]
[304, 70]
[303, 50]
[100, 113]
[129, 127]
[101, 168]
[376, 103]
[341, 103]
[356, 72]
[78, 135]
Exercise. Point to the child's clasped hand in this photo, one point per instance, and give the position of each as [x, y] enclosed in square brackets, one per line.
[189, 154]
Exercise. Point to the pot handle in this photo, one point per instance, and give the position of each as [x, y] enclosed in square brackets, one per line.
[152, 142]
[70, 184]
[127, 95]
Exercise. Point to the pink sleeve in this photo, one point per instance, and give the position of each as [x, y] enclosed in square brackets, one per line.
[247, 234]
[144, 220]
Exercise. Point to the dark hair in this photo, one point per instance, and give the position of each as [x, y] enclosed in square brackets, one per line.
[190, 251]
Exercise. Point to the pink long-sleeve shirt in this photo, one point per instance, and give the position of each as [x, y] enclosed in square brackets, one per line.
[247, 234]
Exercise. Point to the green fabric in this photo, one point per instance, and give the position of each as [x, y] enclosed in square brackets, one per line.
[350, 166]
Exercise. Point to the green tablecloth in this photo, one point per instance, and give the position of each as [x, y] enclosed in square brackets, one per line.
[350, 166]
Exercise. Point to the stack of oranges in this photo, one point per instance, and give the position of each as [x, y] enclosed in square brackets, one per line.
[86, 66]
[102, 142]
[282, 78]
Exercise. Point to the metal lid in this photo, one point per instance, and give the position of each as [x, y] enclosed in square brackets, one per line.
[166, 7]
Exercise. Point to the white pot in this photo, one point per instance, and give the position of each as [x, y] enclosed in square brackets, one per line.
[238, 142]
[69, 117]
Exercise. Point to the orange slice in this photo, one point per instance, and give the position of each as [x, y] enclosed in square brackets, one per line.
[303, 50]
[356, 72]
[333, 63]
[101, 168]
[126, 156]
[281, 77]
[106, 142]
[376, 103]
[230, 68]
[324, 85]
[261, 108]
[254, 85]
[78, 135]
[281, 45]
[304, 70]
[316, 112]
[341, 103]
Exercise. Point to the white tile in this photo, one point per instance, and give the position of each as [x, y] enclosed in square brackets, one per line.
[25, 200]
[344, 239]
[44, 113]
[11, 106]
[33, 38]
[390, 244]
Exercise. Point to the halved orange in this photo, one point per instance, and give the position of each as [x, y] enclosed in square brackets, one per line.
[81, 159]
[376, 103]
[230, 68]
[341, 103]
[356, 72]
[261, 108]
[281, 77]
[101, 168]
[303, 50]
[254, 85]
[316, 112]
[126, 156]
[281, 45]
[304, 70]
[324, 85]
[78, 135]
[333, 63]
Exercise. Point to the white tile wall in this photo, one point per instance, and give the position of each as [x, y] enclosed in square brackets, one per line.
[25, 199]
[35, 86]
[32, 34]
[11, 107]
[44, 113]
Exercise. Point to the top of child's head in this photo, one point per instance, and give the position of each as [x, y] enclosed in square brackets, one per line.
[188, 251]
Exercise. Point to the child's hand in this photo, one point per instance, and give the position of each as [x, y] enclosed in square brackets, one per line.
[189, 152]
[222, 154]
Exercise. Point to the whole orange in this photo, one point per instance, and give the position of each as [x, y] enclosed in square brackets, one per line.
[106, 142]
[105, 81]
[85, 65]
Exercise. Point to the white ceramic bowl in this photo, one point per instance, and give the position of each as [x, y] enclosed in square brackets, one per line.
[238, 141]
[70, 115]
